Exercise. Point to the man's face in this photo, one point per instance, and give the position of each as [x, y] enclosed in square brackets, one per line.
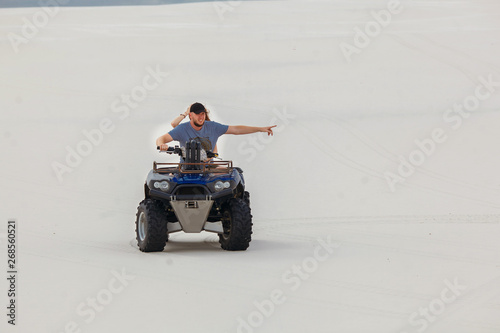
[198, 119]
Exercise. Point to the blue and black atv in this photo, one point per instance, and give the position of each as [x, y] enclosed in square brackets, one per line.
[194, 195]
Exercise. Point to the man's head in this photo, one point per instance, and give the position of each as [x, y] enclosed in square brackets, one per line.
[198, 114]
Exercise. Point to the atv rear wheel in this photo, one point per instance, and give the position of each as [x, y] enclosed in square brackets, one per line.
[237, 224]
[151, 226]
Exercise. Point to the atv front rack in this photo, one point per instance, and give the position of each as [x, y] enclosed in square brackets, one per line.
[212, 167]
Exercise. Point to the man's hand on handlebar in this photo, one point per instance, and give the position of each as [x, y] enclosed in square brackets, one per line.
[163, 147]
[212, 155]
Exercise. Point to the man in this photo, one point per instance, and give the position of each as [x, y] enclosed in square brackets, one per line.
[204, 131]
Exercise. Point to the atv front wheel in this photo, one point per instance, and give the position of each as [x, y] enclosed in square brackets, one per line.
[246, 198]
[237, 224]
[151, 226]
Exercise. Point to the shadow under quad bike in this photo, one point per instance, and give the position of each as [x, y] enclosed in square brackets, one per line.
[193, 196]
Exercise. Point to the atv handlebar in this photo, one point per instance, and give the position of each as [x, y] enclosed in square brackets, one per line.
[171, 150]
[178, 151]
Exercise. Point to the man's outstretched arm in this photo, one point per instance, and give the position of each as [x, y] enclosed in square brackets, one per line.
[163, 140]
[240, 130]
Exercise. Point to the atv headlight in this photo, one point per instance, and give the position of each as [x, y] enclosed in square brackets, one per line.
[219, 186]
[227, 184]
[162, 185]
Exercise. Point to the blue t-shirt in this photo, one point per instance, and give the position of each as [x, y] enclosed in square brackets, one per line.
[208, 135]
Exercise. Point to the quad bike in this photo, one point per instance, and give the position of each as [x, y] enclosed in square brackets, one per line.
[194, 196]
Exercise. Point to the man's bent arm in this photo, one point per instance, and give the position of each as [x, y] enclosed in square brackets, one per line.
[166, 138]
[240, 130]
